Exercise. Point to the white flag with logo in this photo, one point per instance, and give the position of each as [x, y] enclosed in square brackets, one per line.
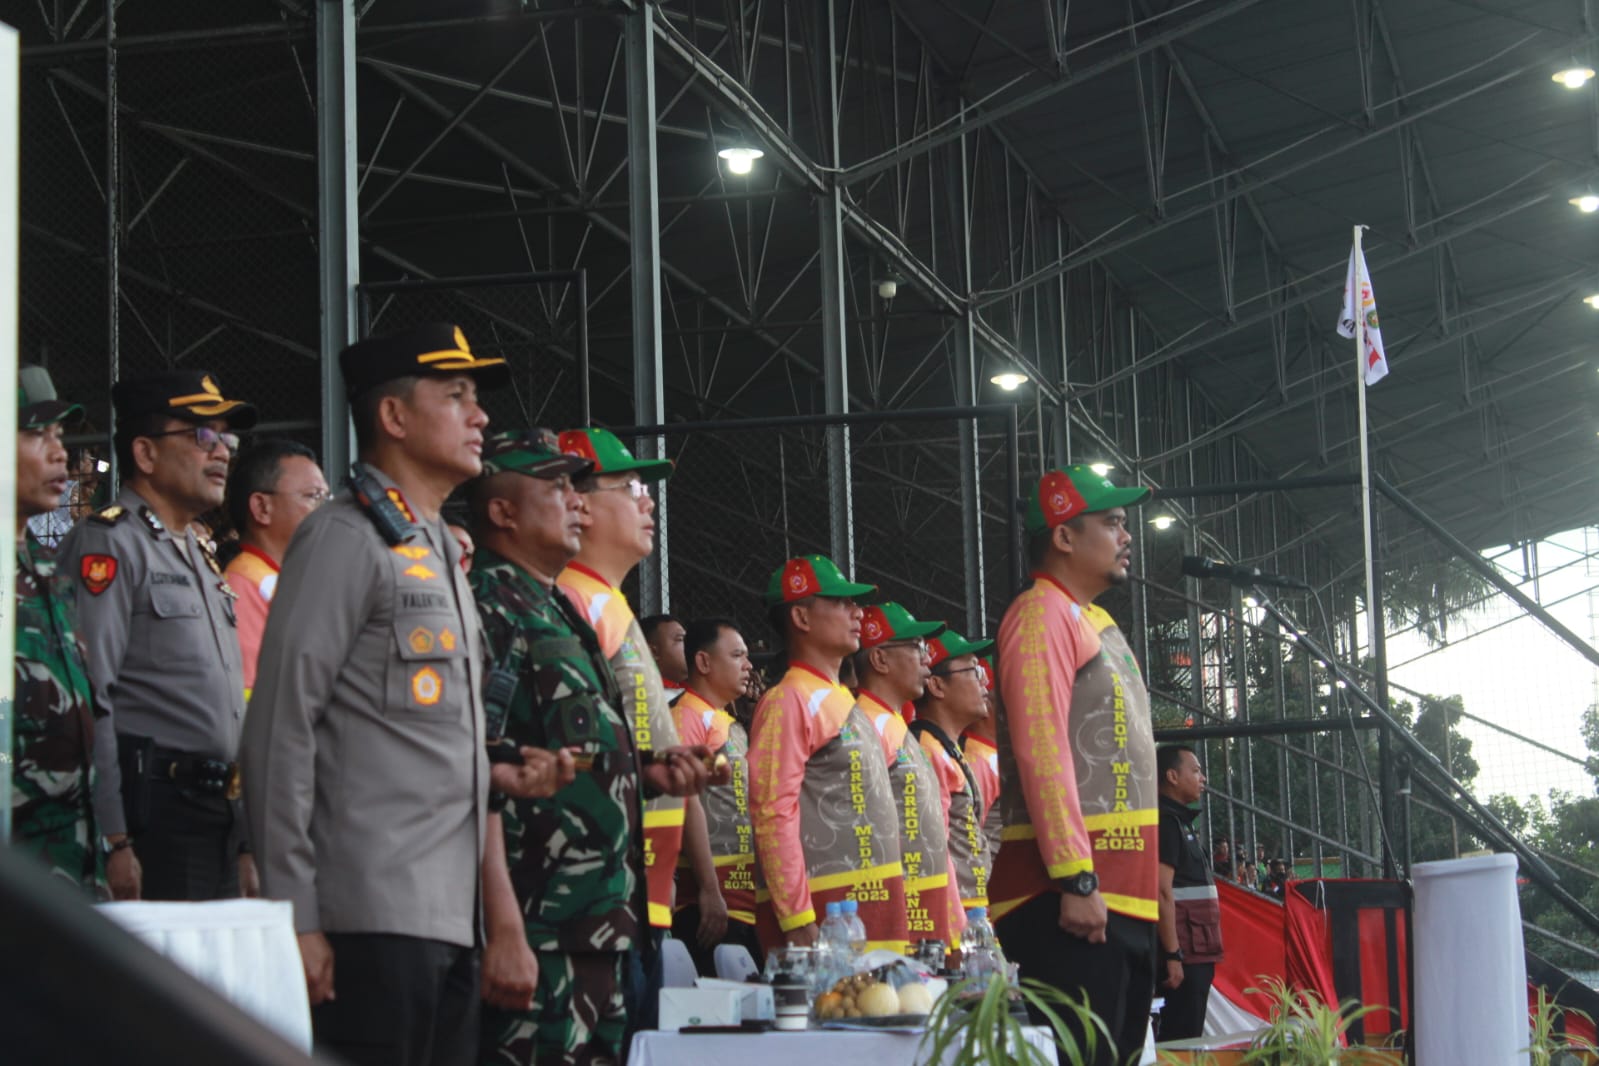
[1359, 281]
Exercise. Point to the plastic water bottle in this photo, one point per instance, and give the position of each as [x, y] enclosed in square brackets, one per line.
[835, 929]
[837, 957]
[857, 928]
[980, 954]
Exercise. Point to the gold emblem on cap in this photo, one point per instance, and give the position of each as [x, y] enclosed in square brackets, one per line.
[210, 386]
[460, 341]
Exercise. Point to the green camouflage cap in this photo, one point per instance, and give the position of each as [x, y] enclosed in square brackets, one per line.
[889, 621]
[951, 645]
[1062, 495]
[37, 404]
[534, 452]
[811, 575]
[610, 456]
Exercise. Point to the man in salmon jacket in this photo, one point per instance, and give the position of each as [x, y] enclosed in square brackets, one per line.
[1075, 885]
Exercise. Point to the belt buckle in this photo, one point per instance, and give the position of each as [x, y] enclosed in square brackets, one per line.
[235, 787]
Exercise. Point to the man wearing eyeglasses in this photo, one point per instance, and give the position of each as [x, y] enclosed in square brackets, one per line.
[893, 666]
[163, 651]
[952, 700]
[619, 535]
[274, 485]
[820, 797]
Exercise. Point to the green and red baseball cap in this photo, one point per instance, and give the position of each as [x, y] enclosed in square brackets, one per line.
[889, 621]
[534, 452]
[811, 575]
[37, 403]
[610, 456]
[1062, 495]
[951, 645]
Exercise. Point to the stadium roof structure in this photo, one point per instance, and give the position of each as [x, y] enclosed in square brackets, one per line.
[1145, 207]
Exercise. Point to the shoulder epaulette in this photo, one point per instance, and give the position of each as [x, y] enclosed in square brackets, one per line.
[110, 516]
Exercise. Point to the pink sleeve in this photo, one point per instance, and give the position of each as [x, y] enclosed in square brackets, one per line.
[780, 745]
[690, 724]
[1041, 645]
[251, 612]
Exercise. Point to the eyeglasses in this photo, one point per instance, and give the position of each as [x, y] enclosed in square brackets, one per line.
[205, 437]
[918, 646]
[635, 488]
[314, 498]
[962, 670]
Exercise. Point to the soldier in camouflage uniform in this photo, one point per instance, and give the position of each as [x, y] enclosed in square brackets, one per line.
[563, 877]
[52, 777]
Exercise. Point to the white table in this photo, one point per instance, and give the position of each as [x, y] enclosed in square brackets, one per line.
[243, 949]
[833, 1047]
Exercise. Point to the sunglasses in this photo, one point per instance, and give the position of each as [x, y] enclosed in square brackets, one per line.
[204, 436]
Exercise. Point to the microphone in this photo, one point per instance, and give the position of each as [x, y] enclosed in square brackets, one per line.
[1199, 566]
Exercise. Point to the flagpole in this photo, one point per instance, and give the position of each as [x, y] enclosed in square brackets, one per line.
[1365, 455]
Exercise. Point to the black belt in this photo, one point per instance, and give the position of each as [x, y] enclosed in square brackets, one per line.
[215, 777]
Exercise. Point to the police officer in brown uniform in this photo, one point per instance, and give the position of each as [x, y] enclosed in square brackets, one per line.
[163, 652]
[365, 770]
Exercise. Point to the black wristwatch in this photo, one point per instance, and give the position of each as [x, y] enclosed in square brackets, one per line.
[1173, 956]
[107, 848]
[1084, 884]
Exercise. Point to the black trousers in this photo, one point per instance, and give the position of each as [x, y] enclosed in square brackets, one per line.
[1118, 975]
[188, 849]
[400, 1001]
[1183, 1016]
[686, 927]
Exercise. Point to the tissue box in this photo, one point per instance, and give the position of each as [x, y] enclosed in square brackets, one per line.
[758, 1005]
[700, 1006]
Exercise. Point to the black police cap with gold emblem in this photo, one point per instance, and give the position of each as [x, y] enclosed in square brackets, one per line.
[192, 395]
[435, 348]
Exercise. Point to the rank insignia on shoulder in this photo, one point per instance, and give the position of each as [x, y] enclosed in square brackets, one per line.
[151, 520]
[110, 516]
[97, 572]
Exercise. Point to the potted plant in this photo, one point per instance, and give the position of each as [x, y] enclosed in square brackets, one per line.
[973, 1025]
[1551, 1045]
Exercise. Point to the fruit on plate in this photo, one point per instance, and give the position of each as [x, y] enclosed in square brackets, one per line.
[878, 999]
[914, 998]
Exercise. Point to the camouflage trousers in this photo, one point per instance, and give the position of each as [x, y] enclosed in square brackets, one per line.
[577, 1017]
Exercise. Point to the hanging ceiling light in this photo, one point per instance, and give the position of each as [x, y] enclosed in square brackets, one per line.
[1010, 380]
[1587, 203]
[740, 159]
[1163, 522]
[1101, 469]
[1592, 301]
[1574, 76]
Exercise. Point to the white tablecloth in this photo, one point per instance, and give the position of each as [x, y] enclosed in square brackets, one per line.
[809, 1048]
[244, 949]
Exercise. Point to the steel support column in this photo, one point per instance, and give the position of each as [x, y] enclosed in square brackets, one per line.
[113, 228]
[644, 241]
[338, 237]
[965, 394]
[835, 351]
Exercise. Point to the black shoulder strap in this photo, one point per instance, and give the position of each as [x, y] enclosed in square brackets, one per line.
[922, 725]
[391, 522]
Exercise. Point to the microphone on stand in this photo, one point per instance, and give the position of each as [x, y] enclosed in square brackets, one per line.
[1199, 566]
